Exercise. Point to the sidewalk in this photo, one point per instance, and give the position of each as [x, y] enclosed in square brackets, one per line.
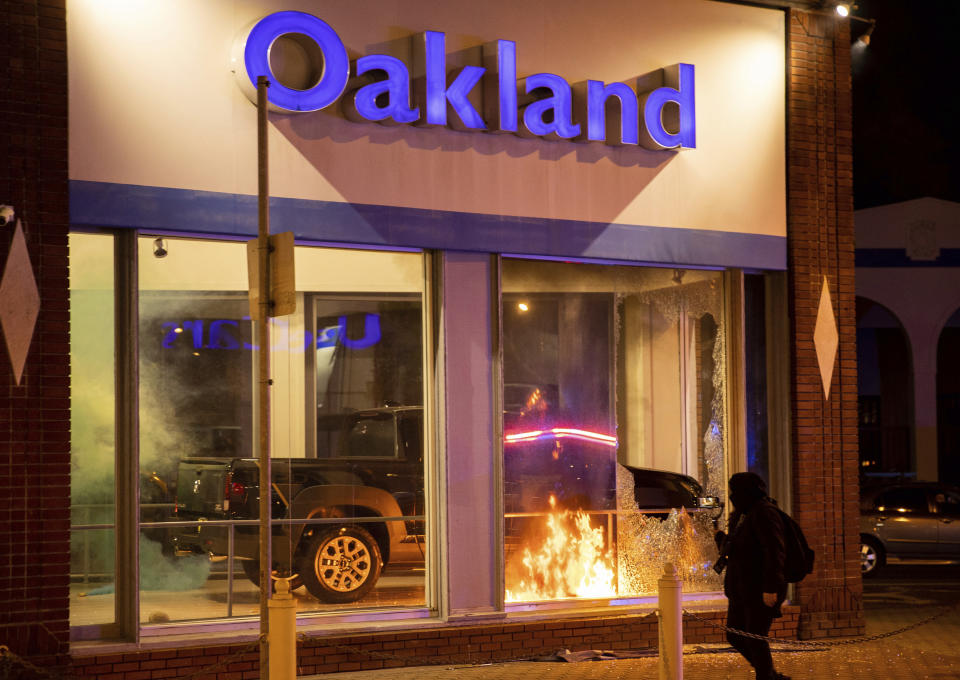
[930, 651]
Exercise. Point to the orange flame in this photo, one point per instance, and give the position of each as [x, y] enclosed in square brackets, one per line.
[569, 563]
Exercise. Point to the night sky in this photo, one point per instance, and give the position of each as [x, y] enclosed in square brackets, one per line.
[906, 102]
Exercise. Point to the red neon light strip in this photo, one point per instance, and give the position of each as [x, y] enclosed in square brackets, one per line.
[560, 433]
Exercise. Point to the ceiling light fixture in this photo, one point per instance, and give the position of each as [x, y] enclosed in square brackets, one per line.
[843, 9]
[865, 38]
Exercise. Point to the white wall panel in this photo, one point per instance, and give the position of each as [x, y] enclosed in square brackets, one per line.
[153, 102]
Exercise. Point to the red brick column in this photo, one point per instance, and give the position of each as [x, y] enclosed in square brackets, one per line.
[35, 416]
[821, 244]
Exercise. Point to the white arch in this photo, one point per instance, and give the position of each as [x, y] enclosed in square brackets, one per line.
[919, 293]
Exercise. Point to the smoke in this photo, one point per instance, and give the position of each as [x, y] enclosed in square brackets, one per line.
[93, 446]
[92, 432]
[160, 572]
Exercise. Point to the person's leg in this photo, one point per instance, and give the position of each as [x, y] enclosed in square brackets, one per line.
[751, 618]
[758, 619]
[737, 619]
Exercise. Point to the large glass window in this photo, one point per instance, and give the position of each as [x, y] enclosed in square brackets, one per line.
[92, 427]
[614, 420]
[347, 418]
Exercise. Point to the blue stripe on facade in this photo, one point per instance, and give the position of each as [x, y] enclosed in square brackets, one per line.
[104, 204]
[897, 257]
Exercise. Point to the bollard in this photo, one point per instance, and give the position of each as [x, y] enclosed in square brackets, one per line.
[283, 633]
[670, 656]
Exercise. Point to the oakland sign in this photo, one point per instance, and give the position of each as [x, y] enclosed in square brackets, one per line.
[662, 118]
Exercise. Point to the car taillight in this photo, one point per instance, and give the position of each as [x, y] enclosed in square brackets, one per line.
[233, 491]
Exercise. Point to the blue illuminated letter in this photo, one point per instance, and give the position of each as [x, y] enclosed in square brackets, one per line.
[597, 95]
[560, 102]
[500, 85]
[169, 334]
[336, 65]
[220, 337]
[363, 102]
[196, 330]
[327, 337]
[434, 95]
[371, 332]
[680, 115]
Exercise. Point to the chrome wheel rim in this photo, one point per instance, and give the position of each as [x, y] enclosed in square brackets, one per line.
[868, 558]
[343, 563]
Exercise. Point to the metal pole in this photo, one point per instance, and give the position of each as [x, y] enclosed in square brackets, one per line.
[230, 564]
[669, 589]
[283, 609]
[263, 353]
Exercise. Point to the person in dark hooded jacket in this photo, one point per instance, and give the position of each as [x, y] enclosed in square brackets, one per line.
[754, 582]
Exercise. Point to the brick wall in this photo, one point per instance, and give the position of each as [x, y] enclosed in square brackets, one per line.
[35, 416]
[469, 644]
[821, 244]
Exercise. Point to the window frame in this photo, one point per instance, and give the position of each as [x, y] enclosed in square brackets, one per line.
[127, 625]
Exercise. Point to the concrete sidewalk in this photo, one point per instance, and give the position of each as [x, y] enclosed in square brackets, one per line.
[929, 651]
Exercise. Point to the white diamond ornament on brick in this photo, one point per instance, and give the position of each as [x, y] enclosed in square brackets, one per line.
[19, 303]
[826, 338]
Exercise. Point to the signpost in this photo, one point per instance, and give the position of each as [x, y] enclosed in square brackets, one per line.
[272, 293]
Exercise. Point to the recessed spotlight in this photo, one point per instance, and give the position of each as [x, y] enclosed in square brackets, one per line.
[523, 307]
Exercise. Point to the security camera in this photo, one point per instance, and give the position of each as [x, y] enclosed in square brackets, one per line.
[159, 248]
[6, 215]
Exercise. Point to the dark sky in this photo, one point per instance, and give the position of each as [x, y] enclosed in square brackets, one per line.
[906, 102]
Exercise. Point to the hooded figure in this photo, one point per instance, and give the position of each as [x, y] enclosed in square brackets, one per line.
[754, 583]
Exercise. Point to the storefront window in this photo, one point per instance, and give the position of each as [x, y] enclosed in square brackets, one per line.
[346, 425]
[92, 439]
[614, 384]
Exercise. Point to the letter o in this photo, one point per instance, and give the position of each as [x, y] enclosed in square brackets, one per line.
[252, 56]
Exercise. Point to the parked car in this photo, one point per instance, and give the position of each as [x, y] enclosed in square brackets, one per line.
[908, 521]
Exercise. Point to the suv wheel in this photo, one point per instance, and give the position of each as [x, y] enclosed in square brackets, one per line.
[871, 556]
[341, 564]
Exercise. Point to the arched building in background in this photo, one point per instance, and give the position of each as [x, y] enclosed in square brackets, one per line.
[908, 339]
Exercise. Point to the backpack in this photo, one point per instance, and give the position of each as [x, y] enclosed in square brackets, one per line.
[799, 556]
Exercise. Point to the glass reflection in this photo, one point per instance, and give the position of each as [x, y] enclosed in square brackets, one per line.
[92, 427]
[346, 419]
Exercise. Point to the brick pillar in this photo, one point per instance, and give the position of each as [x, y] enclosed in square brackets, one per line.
[821, 244]
[35, 416]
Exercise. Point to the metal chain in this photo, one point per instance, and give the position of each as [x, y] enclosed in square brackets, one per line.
[227, 659]
[9, 660]
[825, 643]
[387, 656]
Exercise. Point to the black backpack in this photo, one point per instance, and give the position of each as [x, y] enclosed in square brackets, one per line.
[799, 557]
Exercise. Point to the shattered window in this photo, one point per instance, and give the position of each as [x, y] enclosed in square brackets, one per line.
[613, 421]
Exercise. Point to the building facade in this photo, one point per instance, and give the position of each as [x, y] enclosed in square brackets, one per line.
[540, 251]
[908, 388]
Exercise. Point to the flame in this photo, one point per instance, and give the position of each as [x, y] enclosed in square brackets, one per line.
[570, 562]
